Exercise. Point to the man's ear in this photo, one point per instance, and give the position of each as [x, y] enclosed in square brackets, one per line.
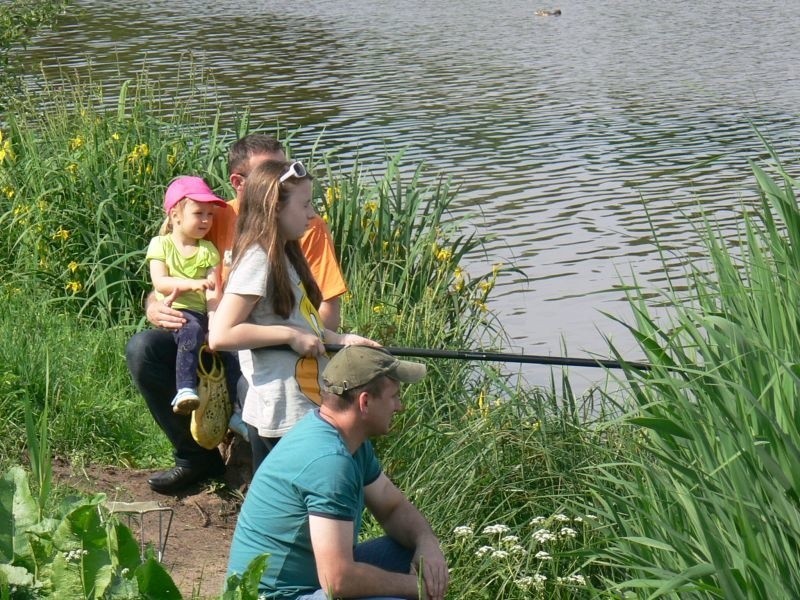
[237, 181]
[363, 402]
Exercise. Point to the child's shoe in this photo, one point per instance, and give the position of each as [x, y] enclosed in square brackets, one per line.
[185, 401]
[236, 425]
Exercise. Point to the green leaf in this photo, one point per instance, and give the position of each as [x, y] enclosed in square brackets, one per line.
[154, 581]
[661, 425]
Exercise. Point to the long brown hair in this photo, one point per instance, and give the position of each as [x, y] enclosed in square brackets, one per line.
[263, 198]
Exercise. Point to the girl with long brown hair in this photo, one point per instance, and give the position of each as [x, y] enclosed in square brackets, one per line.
[270, 304]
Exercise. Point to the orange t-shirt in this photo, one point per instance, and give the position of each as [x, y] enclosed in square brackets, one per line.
[317, 245]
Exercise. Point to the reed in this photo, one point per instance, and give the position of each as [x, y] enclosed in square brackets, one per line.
[711, 508]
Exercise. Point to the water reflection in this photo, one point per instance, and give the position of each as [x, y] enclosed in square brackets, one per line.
[575, 137]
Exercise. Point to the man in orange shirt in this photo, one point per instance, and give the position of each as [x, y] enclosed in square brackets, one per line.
[151, 354]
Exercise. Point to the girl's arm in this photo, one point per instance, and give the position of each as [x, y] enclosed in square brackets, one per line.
[228, 330]
[165, 284]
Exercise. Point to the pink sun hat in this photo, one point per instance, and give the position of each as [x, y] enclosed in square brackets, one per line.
[190, 187]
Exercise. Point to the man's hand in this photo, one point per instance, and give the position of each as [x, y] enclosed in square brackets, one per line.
[429, 559]
[159, 313]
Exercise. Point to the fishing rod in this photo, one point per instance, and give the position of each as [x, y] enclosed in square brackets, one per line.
[564, 361]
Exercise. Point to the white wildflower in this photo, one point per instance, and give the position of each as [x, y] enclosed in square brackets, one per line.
[561, 518]
[524, 582]
[499, 554]
[517, 549]
[483, 550]
[496, 529]
[575, 578]
[538, 520]
[567, 532]
[578, 519]
[463, 531]
[543, 535]
[592, 517]
[542, 555]
[510, 539]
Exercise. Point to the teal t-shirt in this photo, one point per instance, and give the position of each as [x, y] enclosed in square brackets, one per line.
[310, 472]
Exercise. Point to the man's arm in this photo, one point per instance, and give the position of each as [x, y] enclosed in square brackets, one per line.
[405, 524]
[340, 576]
[318, 248]
[331, 313]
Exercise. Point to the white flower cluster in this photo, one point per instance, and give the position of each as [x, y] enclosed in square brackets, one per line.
[575, 579]
[542, 555]
[500, 554]
[510, 540]
[561, 518]
[538, 520]
[463, 531]
[531, 581]
[75, 555]
[483, 550]
[567, 532]
[542, 536]
[499, 528]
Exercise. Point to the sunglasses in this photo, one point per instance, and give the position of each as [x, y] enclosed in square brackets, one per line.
[296, 169]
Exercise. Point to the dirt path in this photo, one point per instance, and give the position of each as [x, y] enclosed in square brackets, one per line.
[196, 553]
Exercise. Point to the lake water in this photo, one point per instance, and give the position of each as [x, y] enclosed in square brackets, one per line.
[560, 130]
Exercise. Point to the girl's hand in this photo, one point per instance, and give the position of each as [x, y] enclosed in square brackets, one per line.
[307, 344]
[197, 285]
[351, 339]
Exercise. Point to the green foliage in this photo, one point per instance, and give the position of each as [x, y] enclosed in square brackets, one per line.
[712, 504]
[80, 553]
[246, 586]
[73, 377]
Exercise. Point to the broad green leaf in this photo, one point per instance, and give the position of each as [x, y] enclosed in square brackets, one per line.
[154, 581]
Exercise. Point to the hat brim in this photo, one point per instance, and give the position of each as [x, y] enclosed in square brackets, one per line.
[408, 372]
[207, 199]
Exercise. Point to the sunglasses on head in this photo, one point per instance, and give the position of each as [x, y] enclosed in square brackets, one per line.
[296, 169]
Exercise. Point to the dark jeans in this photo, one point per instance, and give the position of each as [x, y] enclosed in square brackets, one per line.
[151, 358]
[188, 340]
[259, 446]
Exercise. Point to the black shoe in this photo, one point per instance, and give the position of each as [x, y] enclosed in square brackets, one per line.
[180, 478]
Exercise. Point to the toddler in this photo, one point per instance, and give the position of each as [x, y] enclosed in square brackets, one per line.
[183, 269]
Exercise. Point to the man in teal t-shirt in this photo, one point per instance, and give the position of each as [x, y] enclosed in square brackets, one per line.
[305, 502]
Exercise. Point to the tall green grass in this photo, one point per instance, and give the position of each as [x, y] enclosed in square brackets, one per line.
[712, 504]
[51, 358]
